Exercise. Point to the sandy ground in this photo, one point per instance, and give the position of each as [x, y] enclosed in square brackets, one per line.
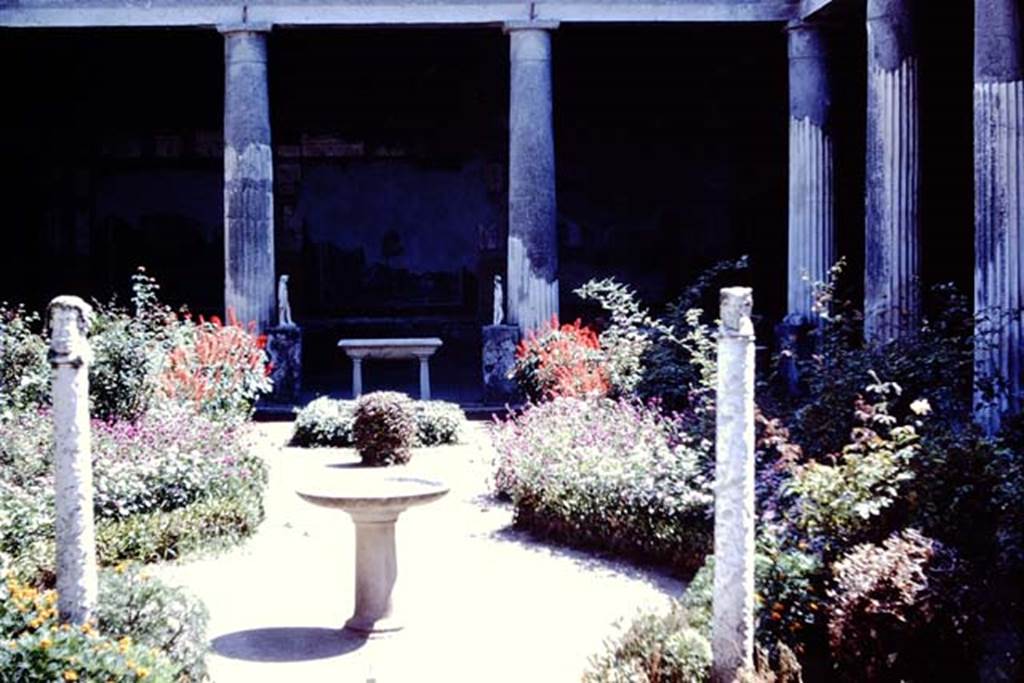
[480, 601]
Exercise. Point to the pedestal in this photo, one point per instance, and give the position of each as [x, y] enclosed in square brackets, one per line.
[284, 347]
[376, 573]
[499, 357]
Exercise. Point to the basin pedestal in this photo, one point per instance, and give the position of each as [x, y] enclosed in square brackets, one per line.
[374, 501]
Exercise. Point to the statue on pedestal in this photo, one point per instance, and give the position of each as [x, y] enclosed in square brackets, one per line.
[499, 301]
[284, 307]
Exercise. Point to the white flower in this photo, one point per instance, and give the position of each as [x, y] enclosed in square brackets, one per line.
[921, 407]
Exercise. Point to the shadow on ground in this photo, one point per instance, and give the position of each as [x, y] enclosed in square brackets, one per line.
[296, 644]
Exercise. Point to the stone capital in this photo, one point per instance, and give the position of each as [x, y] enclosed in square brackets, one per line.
[526, 25]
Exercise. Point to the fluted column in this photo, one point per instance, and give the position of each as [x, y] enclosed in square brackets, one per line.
[998, 210]
[532, 231]
[812, 249]
[892, 305]
[248, 178]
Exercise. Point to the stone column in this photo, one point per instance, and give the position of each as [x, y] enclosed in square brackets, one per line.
[357, 376]
[892, 305]
[376, 572]
[732, 625]
[999, 208]
[812, 249]
[70, 356]
[532, 231]
[248, 177]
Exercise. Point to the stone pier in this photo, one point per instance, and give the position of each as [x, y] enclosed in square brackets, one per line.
[999, 209]
[70, 357]
[248, 177]
[812, 248]
[732, 625]
[532, 230]
[892, 305]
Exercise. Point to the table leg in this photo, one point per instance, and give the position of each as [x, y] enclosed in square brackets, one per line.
[357, 377]
[425, 378]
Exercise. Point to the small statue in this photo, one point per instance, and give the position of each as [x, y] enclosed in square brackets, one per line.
[284, 308]
[499, 301]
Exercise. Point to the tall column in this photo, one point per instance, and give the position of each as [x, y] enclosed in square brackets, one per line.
[532, 231]
[248, 178]
[892, 305]
[999, 208]
[812, 249]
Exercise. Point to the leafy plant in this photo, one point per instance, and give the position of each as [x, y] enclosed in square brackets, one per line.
[898, 612]
[155, 616]
[328, 422]
[384, 428]
[24, 370]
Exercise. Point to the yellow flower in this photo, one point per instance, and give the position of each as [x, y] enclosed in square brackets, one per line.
[124, 644]
[51, 598]
[142, 672]
[70, 675]
[45, 643]
[121, 567]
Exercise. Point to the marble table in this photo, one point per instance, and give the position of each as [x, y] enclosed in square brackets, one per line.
[374, 498]
[413, 347]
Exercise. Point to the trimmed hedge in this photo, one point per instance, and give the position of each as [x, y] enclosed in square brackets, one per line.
[327, 423]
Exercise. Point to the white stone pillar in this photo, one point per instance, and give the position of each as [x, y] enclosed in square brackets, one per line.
[998, 209]
[892, 288]
[248, 177]
[70, 356]
[357, 376]
[812, 249]
[376, 571]
[732, 627]
[532, 229]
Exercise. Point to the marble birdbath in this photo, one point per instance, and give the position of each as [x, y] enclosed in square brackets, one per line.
[374, 498]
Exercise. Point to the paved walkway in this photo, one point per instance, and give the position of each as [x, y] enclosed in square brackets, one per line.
[481, 602]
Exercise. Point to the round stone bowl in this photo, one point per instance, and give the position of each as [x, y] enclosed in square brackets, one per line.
[374, 498]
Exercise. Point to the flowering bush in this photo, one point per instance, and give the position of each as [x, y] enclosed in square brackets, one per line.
[562, 360]
[36, 647]
[328, 422]
[219, 370]
[897, 612]
[171, 481]
[607, 473]
[384, 428]
[24, 371]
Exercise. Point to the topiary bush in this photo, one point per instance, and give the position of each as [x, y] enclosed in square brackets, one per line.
[384, 428]
[897, 611]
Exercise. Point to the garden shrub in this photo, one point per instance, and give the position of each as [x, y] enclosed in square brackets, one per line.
[24, 370]
[562, 360]
[843, 502]
[155, 616]
[384, 428]
[607, 473]
[438, 423]
[167, 484]
[897, 612]
[324, 422]
[34, 646]
[328, 422]
[654, 648]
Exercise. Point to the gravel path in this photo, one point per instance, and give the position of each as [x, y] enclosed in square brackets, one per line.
[481, 601]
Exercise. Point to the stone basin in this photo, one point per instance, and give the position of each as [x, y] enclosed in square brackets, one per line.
[374, 498]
